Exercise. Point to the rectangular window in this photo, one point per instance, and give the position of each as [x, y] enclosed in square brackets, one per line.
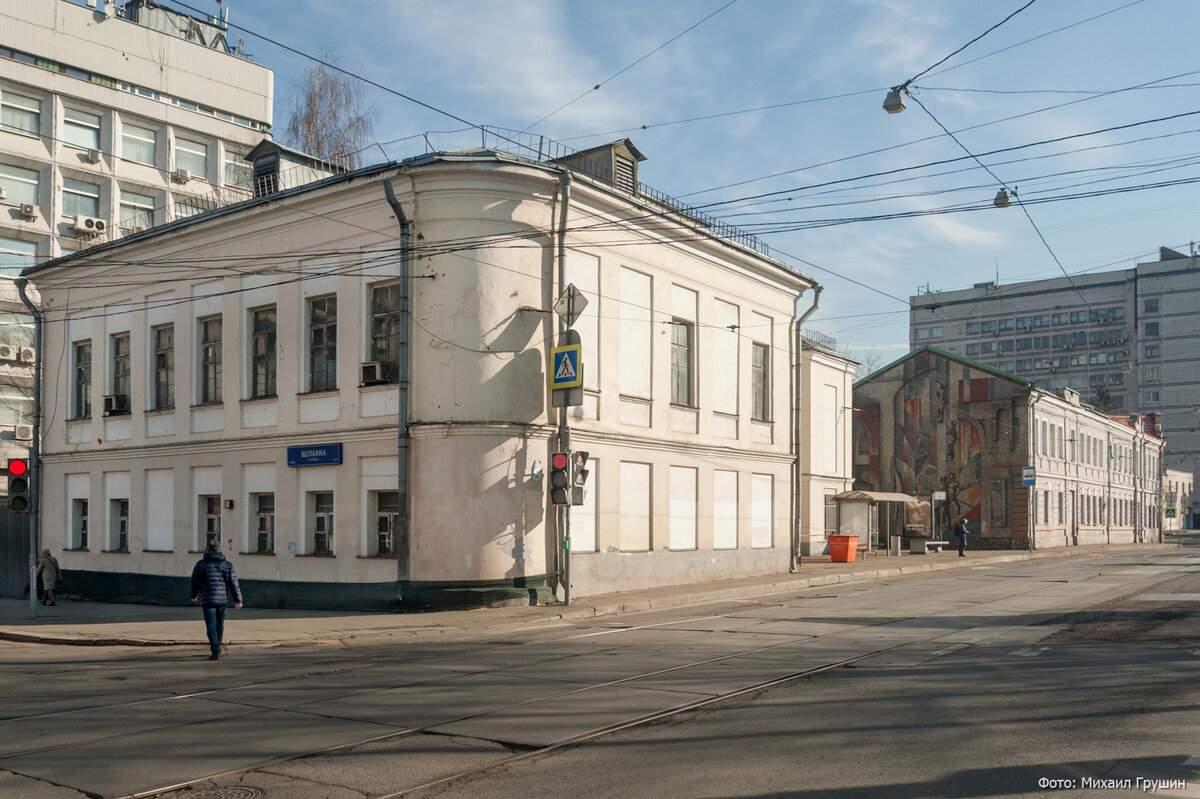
[81, 129]
[16, 255]
[1152, 328]
[322, 522]
[762, 515]
[760, 382]
[192, 156]
[79, 524]
[1078, 317]
[82, 389]
[137, 211]
[972, 349]
[120, 364]
[322, 349]
[1150, 373]
[262, 356]
[387, 510]
[21, 185]
[210, 360]
[264, 509]
[139, 144]
[681, 362]
[80, 198]
[972, 328]
[20, 114]
[1060, 319]
[1152, 351]
[119, 525]
[237, 171]
[1151, 306]
[1006, 325]
[725, 509]
[635, 506]
[210, 519]
[184, 209]
[682, 508]
[831, 514]
[163, 338]
[385, 328]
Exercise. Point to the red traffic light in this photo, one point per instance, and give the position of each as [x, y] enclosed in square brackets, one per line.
[560, 460]
[18, 467]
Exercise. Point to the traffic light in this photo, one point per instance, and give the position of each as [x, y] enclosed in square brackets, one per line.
[18, 485]
[579, 476]
[560, 478]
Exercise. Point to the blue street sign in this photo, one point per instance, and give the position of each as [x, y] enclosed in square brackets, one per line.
[1028, 476]
[315, 455]
[565, 367]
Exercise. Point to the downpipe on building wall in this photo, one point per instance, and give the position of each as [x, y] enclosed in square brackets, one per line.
[35, 470]
[797, 397]
[1031, 495]
[403, 454]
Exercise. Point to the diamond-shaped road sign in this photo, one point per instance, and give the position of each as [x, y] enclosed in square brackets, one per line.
[570, 305]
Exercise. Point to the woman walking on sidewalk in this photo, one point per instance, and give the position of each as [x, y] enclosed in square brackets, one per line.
[50, 575]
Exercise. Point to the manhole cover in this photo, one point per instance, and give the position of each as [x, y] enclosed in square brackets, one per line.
[233, 792]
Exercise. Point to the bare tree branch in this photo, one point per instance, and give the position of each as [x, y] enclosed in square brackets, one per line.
[328, 118]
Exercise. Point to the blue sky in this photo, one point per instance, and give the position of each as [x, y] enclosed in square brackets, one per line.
[509, 63]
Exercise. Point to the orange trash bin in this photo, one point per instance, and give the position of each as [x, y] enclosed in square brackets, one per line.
[843, 548]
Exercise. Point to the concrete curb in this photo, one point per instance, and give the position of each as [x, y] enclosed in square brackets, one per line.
[594, 607]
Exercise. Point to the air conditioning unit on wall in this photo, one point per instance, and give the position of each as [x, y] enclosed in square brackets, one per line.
[88, 225]
[25, 354]
[29, 212]
[181, 175]
[93, 156]
[8, 352]
[116, 405]
[374, 372]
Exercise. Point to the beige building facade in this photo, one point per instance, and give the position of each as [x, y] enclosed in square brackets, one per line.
[251, 375]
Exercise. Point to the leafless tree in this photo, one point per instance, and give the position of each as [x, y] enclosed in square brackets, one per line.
[328, 118]
[868, 362]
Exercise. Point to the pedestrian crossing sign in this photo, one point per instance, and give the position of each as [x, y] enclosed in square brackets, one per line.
[565, 371]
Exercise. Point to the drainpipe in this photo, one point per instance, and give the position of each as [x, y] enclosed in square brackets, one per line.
[796, 399]
[403, 454]
[35, 460]
[562, 549]
[1031, 500]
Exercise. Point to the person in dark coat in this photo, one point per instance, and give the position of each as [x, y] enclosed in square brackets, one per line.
[960, 533]
[214, 584]
[49, 575]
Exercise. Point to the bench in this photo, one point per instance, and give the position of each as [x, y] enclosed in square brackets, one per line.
[920, 546]
[864, 550]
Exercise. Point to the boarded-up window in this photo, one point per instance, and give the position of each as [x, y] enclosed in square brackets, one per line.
[635, 507]
[725, 509]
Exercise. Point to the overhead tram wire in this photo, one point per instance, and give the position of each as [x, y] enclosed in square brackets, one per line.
[625, 69]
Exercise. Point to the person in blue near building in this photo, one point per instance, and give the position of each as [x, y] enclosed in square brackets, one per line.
[960, 533]
[214, 584]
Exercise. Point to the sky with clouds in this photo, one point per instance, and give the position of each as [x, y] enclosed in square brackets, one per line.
[768, 114]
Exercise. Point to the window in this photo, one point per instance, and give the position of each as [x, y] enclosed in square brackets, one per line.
[972, 328]
[1060, 318]
[138, 144]
[264, 508]
[972, 349]
[237, 171]
[387, 510]
[1006, 325]
[1041, 321]
[1152, 351]
[210, 519]
[192, 156]
[82, 389]
[1150, 373]
[163, 338]
[385, 328]
[1152, 396]
[1078, 317]
[16, 255]
[137, 211]
[987, 327]
[81, 129]
[1024, 322]
[987, 347]
[184, 209]
[210, 360]
[322, 350]
[119, 525]
[681, 362]
[262, 356]
[80, 198]
[20, 184]
[79, 524]
[120, 364]
[831, 514]
[20, 114]
[760, 382]
[1151, 306]
[322, 522]
[1152, 328]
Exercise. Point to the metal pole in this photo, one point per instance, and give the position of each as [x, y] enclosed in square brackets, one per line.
[403, 521]
[563, 551]
[35, 469]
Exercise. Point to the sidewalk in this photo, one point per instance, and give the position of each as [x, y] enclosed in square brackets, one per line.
[104, 624]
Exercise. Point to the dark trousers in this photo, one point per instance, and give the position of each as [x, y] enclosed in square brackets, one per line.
[214, 624]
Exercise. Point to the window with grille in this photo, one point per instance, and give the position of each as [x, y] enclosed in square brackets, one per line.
[387, 510]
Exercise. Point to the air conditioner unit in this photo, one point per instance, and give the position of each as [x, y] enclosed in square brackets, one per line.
[93, 156]
[8, 352]
[3, 193]
[181, 175]
[374, 372]
[29, 212]
[116, 405]
[23, 432]
[25, 354]
[89, 225]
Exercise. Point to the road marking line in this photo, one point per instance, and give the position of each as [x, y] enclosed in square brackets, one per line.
[1181, 597]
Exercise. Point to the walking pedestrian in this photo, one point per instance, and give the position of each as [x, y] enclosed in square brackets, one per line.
[50, 576]
[214, 584]
[960, 533]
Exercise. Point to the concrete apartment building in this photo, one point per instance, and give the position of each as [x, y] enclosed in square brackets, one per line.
[115, 119]
[1134, 333]
[937, 422]
[275, 395]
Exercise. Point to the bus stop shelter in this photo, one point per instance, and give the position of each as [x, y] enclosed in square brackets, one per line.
[858, 514]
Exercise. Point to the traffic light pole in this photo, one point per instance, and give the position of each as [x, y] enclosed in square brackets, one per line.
[35, 461]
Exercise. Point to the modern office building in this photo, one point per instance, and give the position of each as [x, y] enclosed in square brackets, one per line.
[1124, 340]
[117, 118]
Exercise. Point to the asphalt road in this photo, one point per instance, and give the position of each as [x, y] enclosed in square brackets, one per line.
[1018, 679]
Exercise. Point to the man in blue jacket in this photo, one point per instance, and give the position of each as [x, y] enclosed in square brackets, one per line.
[214, 583]
[960, 532]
